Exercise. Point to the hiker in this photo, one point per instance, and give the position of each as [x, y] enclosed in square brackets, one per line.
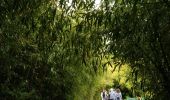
[104, 95]
[118, 94]
[112, 94]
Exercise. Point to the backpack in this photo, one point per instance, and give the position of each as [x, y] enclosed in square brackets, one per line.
[118, 98]
[103, 94]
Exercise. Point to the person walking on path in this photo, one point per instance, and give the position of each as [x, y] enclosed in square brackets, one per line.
[104, 95]
[118, 94]
[112, 95]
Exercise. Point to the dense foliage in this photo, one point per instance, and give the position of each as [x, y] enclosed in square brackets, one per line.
[54, 49]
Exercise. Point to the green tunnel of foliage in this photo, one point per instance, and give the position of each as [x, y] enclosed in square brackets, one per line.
[54, 49]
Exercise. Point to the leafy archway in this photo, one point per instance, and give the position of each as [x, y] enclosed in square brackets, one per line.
[49, 48]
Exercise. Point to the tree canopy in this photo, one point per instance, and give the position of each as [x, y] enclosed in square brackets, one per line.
[53, 49]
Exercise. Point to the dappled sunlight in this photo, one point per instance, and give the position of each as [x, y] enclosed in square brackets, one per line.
[116, 79]
[72, 49]
[97, 4]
